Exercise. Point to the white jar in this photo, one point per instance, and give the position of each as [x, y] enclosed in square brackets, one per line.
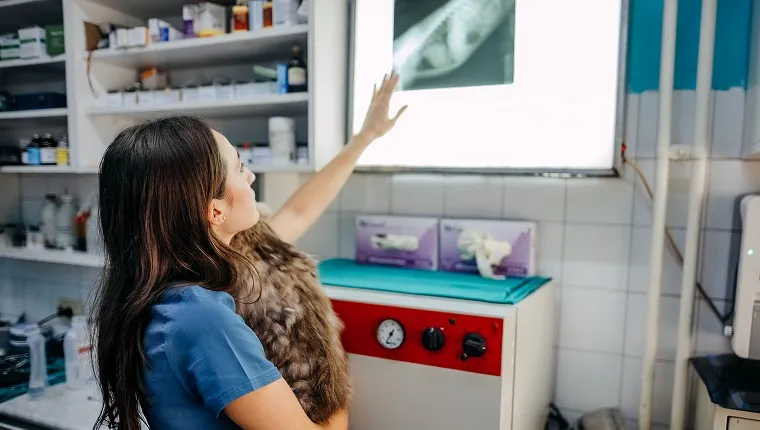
[47, 220]
[64, 223]
[92, 233]
[282, 140]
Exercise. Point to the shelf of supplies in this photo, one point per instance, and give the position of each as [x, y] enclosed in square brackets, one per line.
[34, 113]
[286, 168]
[229, 48]
[64, 170]
[52, 256]
[58, 62]
[15, 14]
[270, 105]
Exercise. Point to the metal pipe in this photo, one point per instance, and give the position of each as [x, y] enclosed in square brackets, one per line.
[667, 69]
[696, 203]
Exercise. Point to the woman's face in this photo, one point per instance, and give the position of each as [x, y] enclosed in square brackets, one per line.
[237, 211]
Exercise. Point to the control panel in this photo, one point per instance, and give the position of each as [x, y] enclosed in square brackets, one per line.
[454, 341]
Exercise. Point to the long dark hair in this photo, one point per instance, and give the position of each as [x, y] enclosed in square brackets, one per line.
[157, 179]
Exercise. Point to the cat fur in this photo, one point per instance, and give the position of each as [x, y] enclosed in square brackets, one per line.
[294, 320]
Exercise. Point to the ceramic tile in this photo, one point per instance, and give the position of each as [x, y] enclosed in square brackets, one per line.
[417, 195]
[347, 233]
[638, 277]
[551, 237]
[664, 374]
[632, 123]
[538, 199]
[33, 186]
[596, 256]
[635, 326]
[473, 196]
[322, 239]
[728, 118]
[603, 201]
[648, 120]
[684, 106]
[587, 381]
[366, 193]
[592, 320]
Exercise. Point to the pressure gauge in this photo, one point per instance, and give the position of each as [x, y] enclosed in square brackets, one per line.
[390, 334]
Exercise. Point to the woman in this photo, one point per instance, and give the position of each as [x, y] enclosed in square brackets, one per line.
[168, 343]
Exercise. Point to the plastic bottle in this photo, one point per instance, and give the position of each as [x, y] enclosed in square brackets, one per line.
[38, 380]
[93, 236]
[47, 220]
[76, 352]
[62, 151]
[64, 222]
[255, 15]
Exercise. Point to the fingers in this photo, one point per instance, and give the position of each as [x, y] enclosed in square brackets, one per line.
[398, 114]
[388, 86]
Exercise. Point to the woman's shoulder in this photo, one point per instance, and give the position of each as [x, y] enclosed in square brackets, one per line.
[190, 310]
[196, 297]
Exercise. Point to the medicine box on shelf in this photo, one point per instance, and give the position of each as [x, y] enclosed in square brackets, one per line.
[32, 41]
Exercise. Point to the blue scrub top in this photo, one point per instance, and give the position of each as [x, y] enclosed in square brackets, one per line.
[201, 356]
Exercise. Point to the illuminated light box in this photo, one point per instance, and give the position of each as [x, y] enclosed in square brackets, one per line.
[499, 85]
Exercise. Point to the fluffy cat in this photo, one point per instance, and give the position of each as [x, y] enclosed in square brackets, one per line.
[295, 322]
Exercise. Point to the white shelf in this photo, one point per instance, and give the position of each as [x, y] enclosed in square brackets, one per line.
[275, 104]
[58, 60]
[52, 256]
[67, 170]
[34, 113]
[229, 48]
[11, 3]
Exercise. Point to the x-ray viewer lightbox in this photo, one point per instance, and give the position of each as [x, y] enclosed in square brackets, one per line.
[492, 84]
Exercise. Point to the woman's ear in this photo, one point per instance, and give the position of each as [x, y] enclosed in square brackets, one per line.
[215, 213]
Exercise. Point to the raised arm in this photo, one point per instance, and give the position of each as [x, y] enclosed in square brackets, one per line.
[308, 203]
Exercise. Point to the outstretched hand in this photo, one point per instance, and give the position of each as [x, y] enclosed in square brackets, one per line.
[377, 122]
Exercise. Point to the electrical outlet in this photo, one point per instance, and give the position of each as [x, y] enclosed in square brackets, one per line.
[74, 304]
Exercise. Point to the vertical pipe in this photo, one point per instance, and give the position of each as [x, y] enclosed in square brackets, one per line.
[667, 68]
[696, 202]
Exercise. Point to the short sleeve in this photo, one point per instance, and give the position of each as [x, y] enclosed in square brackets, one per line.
[212, 351]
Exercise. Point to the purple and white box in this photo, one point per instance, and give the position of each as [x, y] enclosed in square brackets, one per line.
[400, 241]
[459, 236]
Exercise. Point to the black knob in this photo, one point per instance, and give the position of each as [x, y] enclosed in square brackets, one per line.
[433, 339]
[473, 345]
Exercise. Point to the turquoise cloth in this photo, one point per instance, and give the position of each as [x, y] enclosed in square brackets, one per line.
[346, 273]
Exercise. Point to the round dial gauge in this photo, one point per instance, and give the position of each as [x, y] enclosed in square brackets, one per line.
[390, 334]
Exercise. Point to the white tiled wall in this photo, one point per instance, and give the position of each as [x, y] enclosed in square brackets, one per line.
[594, 240]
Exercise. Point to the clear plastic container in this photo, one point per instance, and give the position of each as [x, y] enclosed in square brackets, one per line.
[76, 352]
[38, 380]
[64, 223]
[47, 219]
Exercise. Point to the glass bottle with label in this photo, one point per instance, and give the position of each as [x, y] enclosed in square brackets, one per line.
[296, 72]
[47, 150]
[33, 150]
